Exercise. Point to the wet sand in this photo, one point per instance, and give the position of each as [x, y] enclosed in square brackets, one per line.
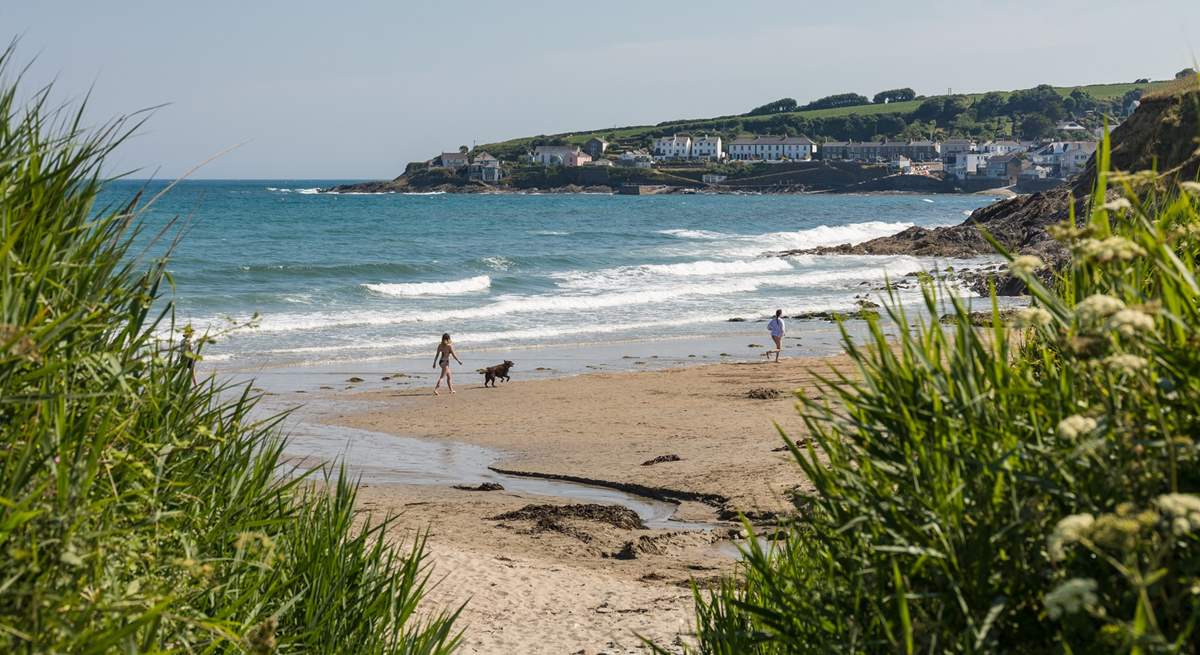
[576, 584]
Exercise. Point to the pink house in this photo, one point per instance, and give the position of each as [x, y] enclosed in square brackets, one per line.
[560, 156]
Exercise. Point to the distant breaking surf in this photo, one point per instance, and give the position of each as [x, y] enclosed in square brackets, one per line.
[452, 288]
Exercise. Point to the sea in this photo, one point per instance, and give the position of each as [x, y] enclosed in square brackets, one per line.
[287, 275]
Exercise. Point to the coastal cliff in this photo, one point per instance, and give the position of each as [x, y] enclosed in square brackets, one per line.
[1161, 135]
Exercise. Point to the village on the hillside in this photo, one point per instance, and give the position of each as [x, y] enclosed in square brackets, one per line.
[974, 164]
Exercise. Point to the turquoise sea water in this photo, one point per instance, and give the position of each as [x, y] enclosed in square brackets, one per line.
[353, 277]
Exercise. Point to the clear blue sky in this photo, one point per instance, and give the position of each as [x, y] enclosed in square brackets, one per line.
[355, 89]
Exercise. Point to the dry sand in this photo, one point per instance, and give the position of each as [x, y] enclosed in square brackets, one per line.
[557, 586]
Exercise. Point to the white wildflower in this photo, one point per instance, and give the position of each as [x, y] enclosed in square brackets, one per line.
[1069, 530]
[1098, 306]
[1191, 187]
[1065, 536]
[1034, 317]
[1129, 322]
[1184, 510]
[1110, 249]
[1126, 364]
[1071, 596]
[1074, 426]
[1117, 205]
[1026, 264]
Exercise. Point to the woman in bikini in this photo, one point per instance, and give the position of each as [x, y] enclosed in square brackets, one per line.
[445, 351]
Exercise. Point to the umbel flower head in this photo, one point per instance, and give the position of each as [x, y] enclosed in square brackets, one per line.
[1117, 205]
[1071, 596]
[1097, 307]
[1074, 426]
[1069, 530]
[1125, 364]
[1034, 317]
[1184, 510]
[1109, 250]
[1129, 322]
[1026, 265]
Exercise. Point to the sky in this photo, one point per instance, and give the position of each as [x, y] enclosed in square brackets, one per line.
[355, 89]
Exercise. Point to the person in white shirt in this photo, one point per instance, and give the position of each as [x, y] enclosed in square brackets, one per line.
[776, 328]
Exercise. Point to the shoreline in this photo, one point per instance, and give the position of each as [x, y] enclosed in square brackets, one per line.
[582, 583]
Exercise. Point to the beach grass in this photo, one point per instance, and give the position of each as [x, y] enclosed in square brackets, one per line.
[140, 512]
[1025, 488]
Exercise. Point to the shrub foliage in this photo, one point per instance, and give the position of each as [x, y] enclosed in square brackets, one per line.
[138, 511]
[1023, 489]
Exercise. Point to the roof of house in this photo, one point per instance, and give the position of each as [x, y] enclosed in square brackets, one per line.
[556, 149]
[1004, 158]
[453, 155]
[772, 140]
[483, 156]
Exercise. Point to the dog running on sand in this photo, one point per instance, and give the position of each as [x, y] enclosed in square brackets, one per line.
[492, 373]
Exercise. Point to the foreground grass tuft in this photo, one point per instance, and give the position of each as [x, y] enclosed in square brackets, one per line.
[992, 490]
[138, 512]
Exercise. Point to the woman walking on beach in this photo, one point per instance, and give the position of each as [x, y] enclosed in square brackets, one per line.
[776, 328]
[445, 351]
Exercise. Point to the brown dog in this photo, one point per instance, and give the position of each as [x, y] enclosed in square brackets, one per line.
[499, 371]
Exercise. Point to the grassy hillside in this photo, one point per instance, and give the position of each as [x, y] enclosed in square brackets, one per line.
[767, 123]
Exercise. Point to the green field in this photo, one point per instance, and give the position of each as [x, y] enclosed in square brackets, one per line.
[1099, 91]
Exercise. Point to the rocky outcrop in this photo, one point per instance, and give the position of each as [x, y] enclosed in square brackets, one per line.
[1161, 135]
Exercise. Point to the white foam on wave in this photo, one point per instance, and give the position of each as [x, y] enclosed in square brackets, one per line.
[623, 277]
[706, 267]
[549, 233]
[544, 304]
[451, 288]
[498, 263]
[306, 192]
[703, 235]
[424, 193]
[521, 334]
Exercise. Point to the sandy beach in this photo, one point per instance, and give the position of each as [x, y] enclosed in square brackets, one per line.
[553, 581]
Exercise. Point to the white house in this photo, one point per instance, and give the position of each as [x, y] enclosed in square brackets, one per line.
[677, 146]
[1067, 157]
[713, 178]
[636, 159]
[560, 156]
[955, 146]
[708, 147]
[1001, 147]
[453, 160]
[962, 164]
[1074, 156]
[772, 148]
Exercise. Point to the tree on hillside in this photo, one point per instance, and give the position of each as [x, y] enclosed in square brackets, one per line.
[464, 150]
[894, 95]
[838, 100]
[890, 125]
[1079, 102]
[1187, 72]
[779, 106]
[1042, 99]
[1036, 126]
[943, 109]
[991, 104]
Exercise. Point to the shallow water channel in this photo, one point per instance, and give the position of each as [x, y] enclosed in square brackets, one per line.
[378, 458]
